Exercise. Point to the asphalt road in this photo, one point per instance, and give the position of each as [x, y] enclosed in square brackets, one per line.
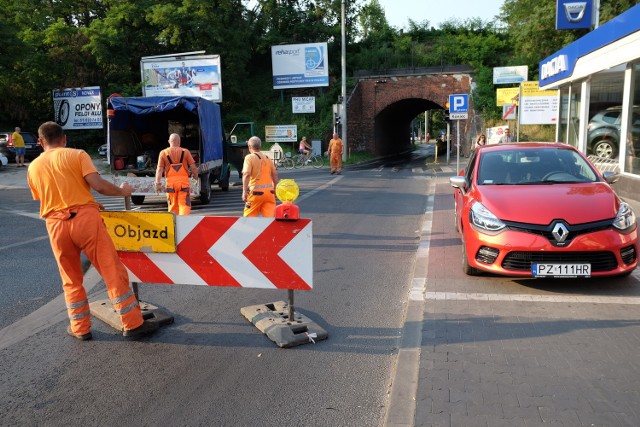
[412, 340]
[212, 367]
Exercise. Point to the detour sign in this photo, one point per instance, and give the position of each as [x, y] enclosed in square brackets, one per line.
[141, 231]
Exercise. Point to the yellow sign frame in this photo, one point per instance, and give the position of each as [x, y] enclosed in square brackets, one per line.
[141, 231]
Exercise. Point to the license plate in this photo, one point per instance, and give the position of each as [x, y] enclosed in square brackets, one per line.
[561, 270]
[28, 146]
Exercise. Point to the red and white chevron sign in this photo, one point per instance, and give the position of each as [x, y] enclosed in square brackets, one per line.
[244, 252]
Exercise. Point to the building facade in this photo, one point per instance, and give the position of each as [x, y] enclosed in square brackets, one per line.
[598, 78]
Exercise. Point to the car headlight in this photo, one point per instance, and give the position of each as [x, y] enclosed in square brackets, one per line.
[625, 220]
[482, 219]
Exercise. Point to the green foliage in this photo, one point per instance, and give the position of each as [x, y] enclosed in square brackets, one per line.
[56, 44]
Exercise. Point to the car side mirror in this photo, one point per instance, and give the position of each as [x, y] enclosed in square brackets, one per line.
[611, 177]
[459, 182]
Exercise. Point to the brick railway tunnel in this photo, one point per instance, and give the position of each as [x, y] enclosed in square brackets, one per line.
[381, 108]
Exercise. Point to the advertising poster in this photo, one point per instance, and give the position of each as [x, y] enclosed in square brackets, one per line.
[538, 107]
[78, 108]
[303, 104]
[281, 133]
[505, 75]
[495, 133]
[300, 65]
[507, 96]
[190, 76]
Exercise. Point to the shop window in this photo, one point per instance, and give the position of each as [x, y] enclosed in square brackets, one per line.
[632, 163]
[605, 111]
[573, 123]
[564, 114]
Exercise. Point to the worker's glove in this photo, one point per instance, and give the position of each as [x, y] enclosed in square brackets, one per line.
[194, 182]
[158, 188]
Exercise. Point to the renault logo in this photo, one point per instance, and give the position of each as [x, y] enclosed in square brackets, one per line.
[560, 232]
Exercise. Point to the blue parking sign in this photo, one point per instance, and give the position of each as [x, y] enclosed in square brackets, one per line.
[458, 106]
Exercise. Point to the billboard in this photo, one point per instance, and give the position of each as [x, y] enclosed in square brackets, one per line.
[281, 133]
[78, 108]
[507, 96]
[188, 75]
[300, 65]
[538, 107]
[506, 75]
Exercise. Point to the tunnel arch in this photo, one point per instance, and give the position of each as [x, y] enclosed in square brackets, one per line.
[381, 108]
[392, 125]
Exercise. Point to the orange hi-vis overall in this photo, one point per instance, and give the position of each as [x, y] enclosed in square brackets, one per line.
[335, 151]
[261, 199]
[73, 222]
[178, 189]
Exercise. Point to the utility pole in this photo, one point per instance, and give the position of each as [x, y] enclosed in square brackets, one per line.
[344, 81]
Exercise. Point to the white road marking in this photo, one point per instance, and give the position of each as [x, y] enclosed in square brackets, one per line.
[25, 242]
[585, 299]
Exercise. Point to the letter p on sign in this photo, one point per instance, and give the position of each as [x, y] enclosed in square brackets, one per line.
[459, 106]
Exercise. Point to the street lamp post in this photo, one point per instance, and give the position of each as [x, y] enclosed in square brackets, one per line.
[344, 81]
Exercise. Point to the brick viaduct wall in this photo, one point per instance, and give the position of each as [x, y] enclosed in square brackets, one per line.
[373, 94]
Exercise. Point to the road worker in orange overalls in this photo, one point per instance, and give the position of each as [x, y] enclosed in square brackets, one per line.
[175, 163]
[335, 152]
[62, 179]
[259, 180]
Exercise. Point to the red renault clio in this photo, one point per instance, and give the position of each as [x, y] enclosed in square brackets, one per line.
[541, 210]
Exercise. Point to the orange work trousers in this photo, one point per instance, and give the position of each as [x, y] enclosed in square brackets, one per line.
[261, 202]
[81, 230]
[179, 198]
[336, 162]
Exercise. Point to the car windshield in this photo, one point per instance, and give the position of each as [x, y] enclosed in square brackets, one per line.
[531, 166]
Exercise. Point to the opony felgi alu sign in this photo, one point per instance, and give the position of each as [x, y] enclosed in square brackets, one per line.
[78, 108]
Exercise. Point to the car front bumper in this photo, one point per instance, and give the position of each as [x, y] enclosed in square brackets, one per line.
[609, 252]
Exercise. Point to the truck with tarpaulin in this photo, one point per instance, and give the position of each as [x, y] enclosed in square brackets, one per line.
[139, 128]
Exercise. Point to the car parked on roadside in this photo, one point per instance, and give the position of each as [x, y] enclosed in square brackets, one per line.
[33, 148]
[102, 150]
[541, 210]
[603, 138]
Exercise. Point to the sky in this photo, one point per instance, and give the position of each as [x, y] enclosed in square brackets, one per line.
[436, 11]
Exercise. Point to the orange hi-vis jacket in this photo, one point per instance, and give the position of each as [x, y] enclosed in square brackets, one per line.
[74, 224]
[177, 180]
[262, 199]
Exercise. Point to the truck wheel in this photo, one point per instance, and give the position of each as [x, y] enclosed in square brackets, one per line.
[224, 184]
[205, 189]
[137, 200]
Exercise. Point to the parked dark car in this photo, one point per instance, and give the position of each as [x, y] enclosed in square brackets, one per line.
[30, 142]
[604, 132]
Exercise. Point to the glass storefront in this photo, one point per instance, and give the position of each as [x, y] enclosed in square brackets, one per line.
[573, 123]
[632, 160]
[605, 113]
[563, 114]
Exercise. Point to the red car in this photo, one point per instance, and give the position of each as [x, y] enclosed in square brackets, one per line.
[541, 210]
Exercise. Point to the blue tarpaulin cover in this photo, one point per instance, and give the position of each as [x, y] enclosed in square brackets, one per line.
[208, 114]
